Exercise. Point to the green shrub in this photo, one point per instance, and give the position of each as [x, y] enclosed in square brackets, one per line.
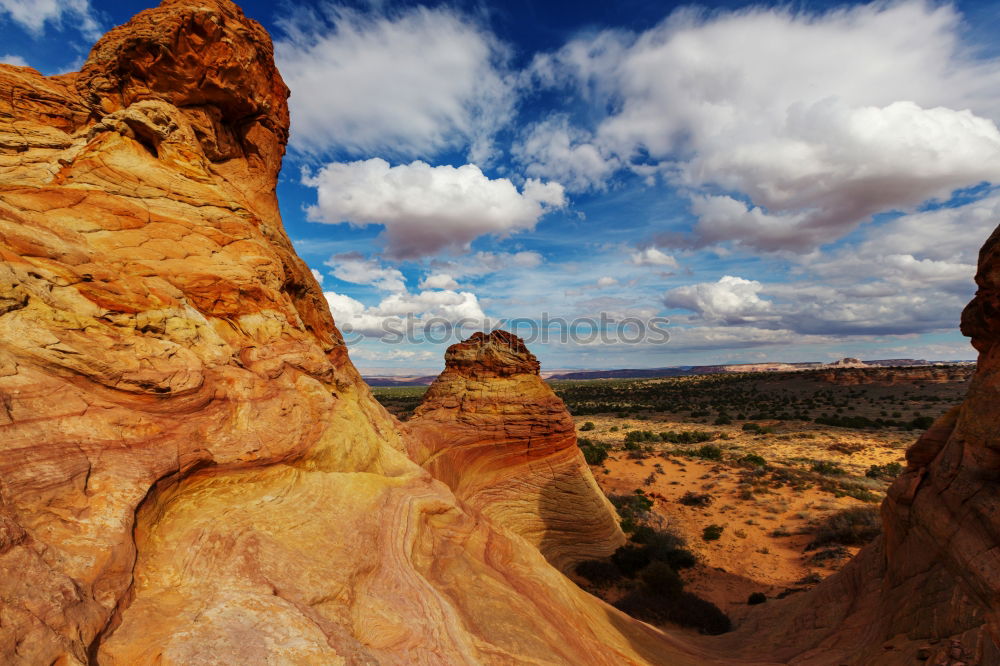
[599, 572]
[752, 460]
[709, 452]
[589, 425]
[631, 559]
[827, 468]
[887, 471]
[660, 577]
[712, 532]
[686, 437]
[684, 609]
[594, 454]
[850, 527]
[695, 499]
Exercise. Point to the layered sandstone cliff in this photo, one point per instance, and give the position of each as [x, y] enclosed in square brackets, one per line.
[927, 374]
[491, 429]
[191, 471]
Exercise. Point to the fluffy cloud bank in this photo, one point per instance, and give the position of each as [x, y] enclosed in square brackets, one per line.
[392, 313]
[785, 114]
[425, 209]
[354, 268]
[910, 275]
[33, 15]
[404, 85]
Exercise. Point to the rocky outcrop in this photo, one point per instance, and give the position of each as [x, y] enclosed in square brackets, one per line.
[191, 470]
[491, 429]
[928, 588]
[930, 374]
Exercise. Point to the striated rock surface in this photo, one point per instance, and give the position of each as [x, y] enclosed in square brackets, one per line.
[892, 376]
[191, 470]
[491, 429]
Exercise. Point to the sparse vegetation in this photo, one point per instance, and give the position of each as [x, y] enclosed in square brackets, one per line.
[850, 527]
[712, 532]
[776, 456]
[887, 471]
[594, 453]
[691, 498]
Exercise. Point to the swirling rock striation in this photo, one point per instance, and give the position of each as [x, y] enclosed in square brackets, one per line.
[491, 429]
[191, 470]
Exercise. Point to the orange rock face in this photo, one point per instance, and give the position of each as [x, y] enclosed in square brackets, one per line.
[191, 470]
[491, 429]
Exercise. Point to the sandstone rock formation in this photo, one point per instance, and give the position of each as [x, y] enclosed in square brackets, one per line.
[491, 429]
[927, 374]
[191, 470]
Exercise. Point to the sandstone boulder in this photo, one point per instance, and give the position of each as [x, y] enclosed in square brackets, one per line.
[491, 429]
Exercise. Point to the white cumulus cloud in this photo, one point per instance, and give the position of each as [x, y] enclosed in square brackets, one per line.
[786, 111]
[11, 59]
[556, 150]
[653, 257]
[354, 268]
[730, 300]
[405, 85]
[396, 311]
[425, 209]
[438, 281]
[33, 15]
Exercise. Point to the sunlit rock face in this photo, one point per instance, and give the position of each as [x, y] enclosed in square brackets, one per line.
[191, 470]
[929, 587]
[492, 430]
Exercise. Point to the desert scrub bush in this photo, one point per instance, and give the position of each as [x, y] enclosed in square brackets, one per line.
[752, 460]
[637, 436]
[594, 453]
[660, 577]
[686, 437]
[758, 428]
[829, 555]
[632, 509]
[691, 498]
[589, 425]
[684, 608]
[599, 572]
[661, 545]
[887, 471]
[849, 527]
[827, 468]
[712, 532]
[706, 452]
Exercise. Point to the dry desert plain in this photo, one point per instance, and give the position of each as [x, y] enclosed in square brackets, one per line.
[772, 481]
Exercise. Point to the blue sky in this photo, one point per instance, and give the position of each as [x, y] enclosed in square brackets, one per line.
[782, 182]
